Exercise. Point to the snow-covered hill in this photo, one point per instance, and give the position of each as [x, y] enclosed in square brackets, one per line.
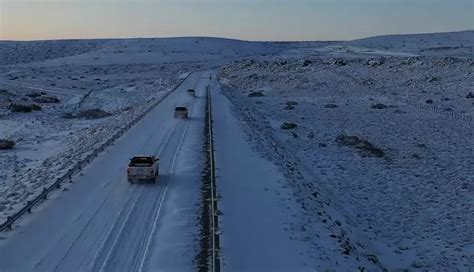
[440, 44]
[15, 52]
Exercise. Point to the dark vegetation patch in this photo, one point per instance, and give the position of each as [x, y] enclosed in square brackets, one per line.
[330, 106]
[87, 114]
[46, 99]
[288, 125]
[379, 106]
[6, 144]
[364, 146]
[35, 94]
[256, 94]
[17, 107]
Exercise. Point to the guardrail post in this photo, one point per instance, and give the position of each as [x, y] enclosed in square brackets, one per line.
[9, 223]
[45, 193]
[29, 206]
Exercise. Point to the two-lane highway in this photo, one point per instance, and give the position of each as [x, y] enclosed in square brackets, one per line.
[103, 223]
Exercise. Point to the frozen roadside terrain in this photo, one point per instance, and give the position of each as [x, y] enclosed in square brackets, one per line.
[267, 220]
[60, 100]
[378, 140]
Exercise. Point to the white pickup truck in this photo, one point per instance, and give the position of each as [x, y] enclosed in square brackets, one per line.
[143, 168]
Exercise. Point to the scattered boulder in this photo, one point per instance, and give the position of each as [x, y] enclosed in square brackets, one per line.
[363, 145]
[372, 258]
[470, 95]
[429, 101]
[375, 62]
[288, 125]
[346, 247]
[330, 106]
[379, 106]
[15, 107]
[307, 63]
[292, 103]
[432, 79]
[6, 144]
[256, 94]
[339, 62]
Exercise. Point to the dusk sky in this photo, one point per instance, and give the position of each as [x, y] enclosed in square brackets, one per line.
[242, 19]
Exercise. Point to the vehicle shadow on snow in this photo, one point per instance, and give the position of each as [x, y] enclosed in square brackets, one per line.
[161, 180]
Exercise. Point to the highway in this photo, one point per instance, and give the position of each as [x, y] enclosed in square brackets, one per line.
[103, 223]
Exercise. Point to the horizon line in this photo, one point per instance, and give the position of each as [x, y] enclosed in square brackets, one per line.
[230, 38]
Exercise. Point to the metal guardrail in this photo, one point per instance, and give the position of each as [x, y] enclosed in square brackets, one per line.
[8, 224]
[215, 265]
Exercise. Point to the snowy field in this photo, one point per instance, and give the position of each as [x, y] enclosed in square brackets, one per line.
[388, 138]
[60, 100]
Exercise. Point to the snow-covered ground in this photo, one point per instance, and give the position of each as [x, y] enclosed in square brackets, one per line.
[405, 185]
[64, 78]
[398, 196]
[48, 143]
[273, 219]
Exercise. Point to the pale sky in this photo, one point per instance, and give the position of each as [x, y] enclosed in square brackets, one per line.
[241, 19]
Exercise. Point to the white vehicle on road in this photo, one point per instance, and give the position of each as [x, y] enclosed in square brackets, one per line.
[143, 168]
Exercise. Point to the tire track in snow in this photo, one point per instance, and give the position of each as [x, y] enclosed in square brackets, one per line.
[148, 233]
[109, 194]
[178, 148]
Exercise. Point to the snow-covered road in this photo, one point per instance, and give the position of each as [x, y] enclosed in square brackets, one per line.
[102, 223]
